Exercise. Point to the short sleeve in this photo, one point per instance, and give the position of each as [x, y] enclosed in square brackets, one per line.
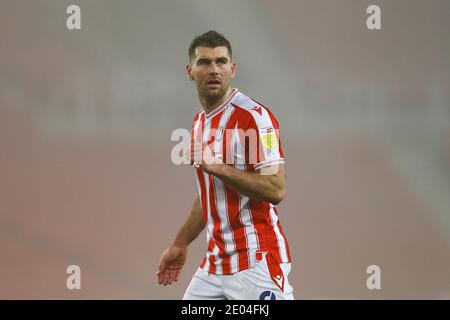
[267, 131]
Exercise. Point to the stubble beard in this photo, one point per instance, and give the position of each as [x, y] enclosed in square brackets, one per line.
[212, 96]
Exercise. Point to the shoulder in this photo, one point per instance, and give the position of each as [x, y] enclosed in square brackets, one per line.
[254, 111]
[197, 115]
[195, 121]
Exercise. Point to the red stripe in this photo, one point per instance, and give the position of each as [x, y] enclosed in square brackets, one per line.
[250, 123]
[201, 180]
[212, 264]
[259, 217]
[210, 249]
[203, 263]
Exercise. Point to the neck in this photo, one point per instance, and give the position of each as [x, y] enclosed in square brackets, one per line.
[209, 105]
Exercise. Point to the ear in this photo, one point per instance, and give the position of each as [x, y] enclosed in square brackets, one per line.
[189, 72]
[233, 69]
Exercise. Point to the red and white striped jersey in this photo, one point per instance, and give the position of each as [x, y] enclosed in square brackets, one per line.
[238, 226]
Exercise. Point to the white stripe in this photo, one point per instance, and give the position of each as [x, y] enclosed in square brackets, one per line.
[280, 238]
[199, 188]
[218, 141]
[207, 263]
[197, 124]
[270, 161]
[206, 130]
[244, 203]
[221, 199]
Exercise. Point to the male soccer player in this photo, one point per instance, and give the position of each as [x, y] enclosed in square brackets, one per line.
[240, 176]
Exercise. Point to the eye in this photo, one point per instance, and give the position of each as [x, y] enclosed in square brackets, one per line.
[202, 62]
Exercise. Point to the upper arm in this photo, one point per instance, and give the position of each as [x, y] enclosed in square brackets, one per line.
[276, 178]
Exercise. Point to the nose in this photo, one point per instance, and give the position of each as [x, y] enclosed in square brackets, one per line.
[214, 68]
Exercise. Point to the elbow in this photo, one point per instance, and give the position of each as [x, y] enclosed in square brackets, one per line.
[278, 196]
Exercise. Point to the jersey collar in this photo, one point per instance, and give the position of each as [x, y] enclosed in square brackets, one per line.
[223, 105]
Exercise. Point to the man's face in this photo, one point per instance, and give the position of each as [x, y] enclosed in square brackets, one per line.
[212, 71]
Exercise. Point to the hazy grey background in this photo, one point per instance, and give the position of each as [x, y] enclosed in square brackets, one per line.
[86, 118]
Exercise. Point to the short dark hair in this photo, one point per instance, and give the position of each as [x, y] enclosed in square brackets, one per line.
[210, 39]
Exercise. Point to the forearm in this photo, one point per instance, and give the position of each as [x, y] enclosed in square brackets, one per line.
[253, 184]
[192, 227]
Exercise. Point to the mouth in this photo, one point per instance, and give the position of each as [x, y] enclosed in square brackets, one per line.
[213, 82]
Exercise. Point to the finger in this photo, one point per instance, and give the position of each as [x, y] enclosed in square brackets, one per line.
[172, 276]
[177, 275]
[160, 278]
[169, 278]
[166, 278]
[160, 273]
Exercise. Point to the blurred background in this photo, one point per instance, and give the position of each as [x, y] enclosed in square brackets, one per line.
[86, 118]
